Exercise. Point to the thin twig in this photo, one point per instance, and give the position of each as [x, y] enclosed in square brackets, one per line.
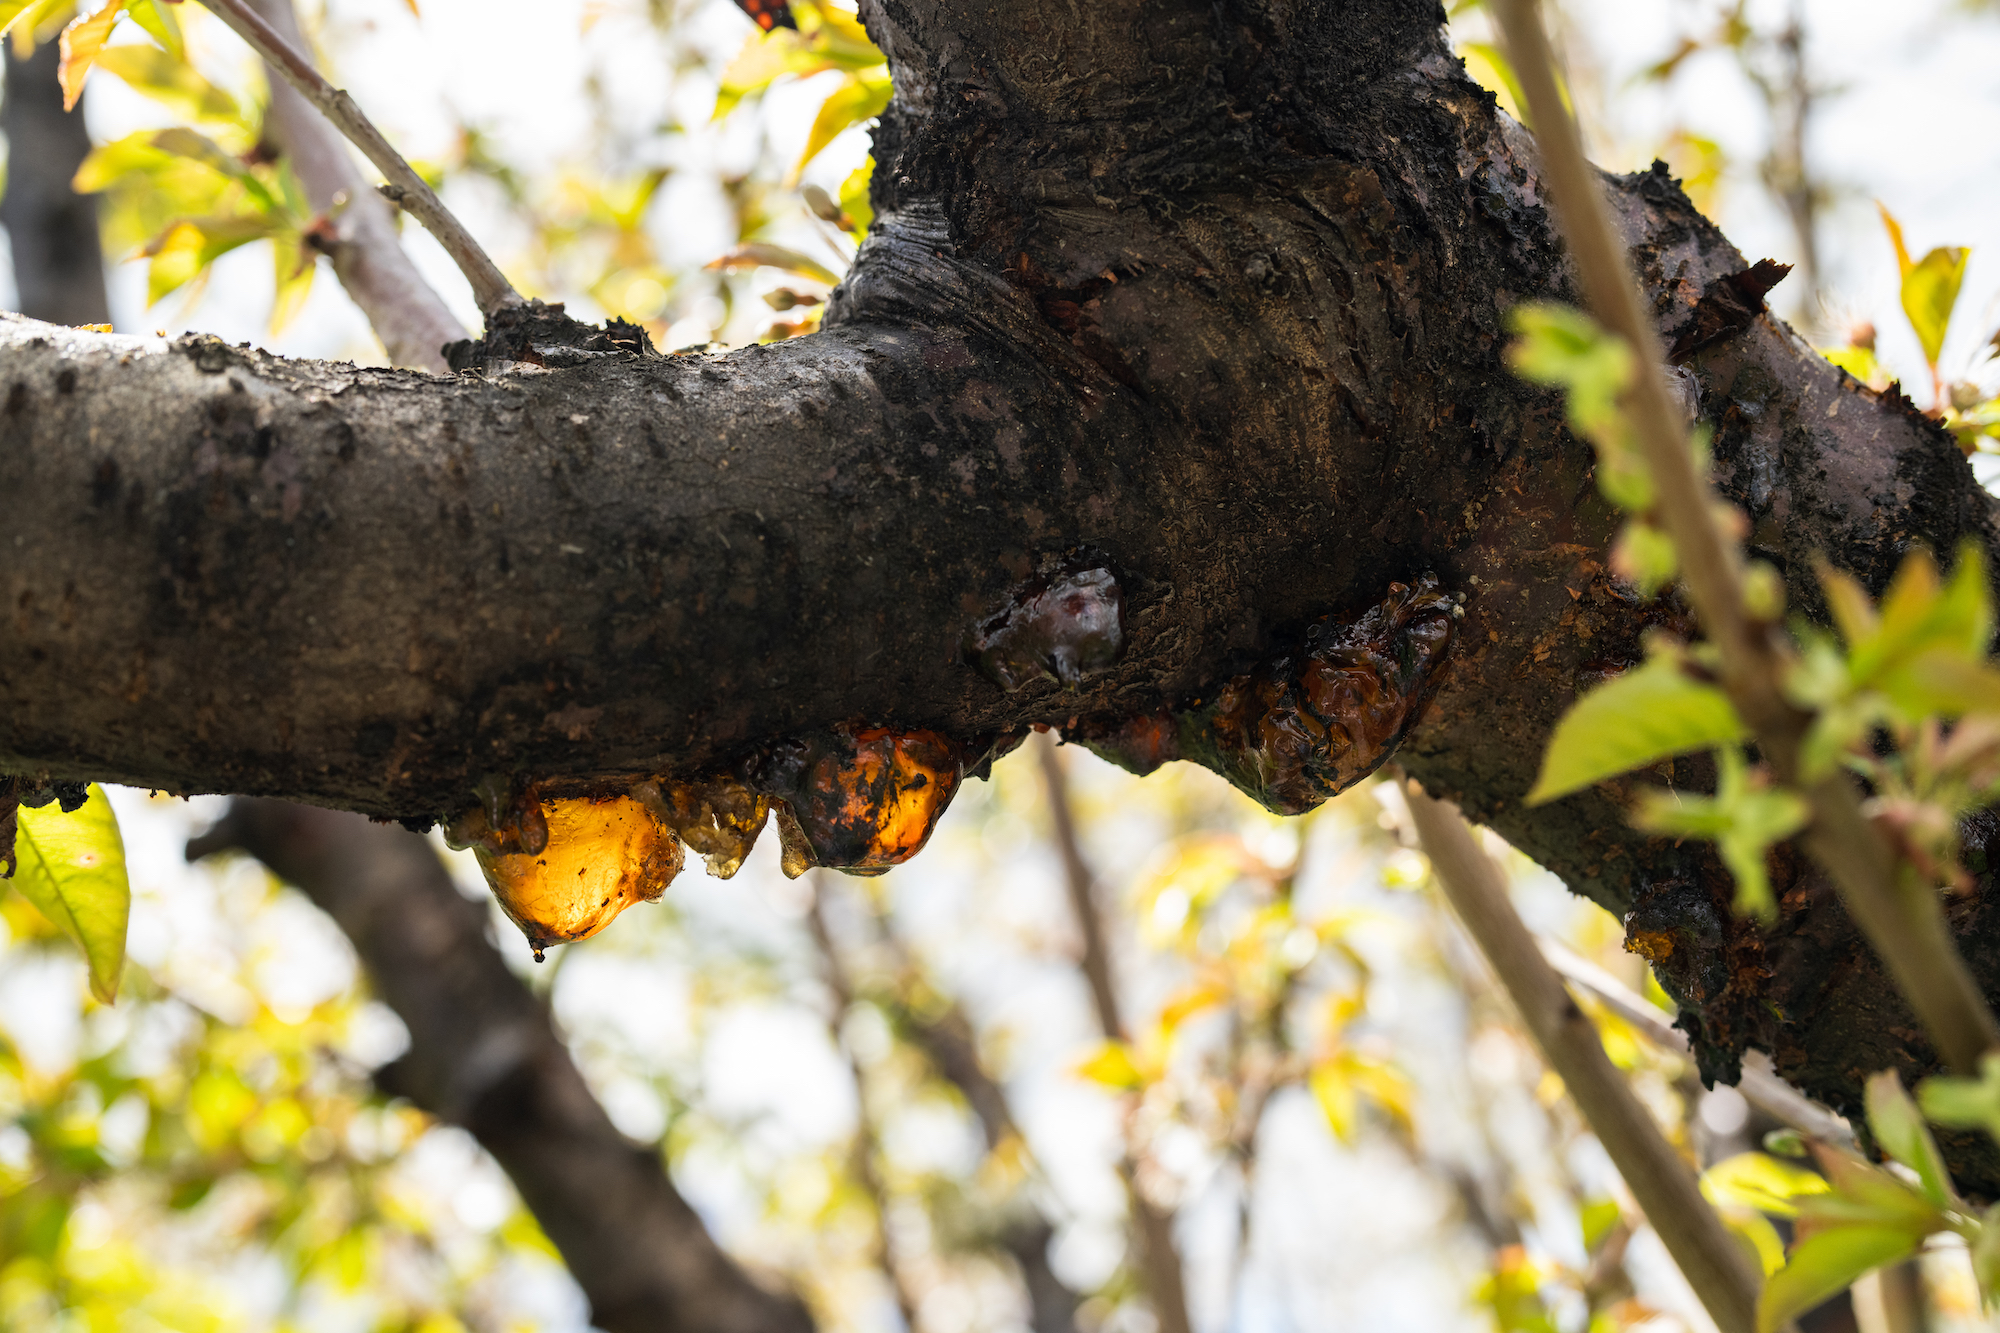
[867, 1141]
[1901, 918]
[1714, 1264]
[1760, 1087]
[406, 312]
[1159, 1255]
[490, 287]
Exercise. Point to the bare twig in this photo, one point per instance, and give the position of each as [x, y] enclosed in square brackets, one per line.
[490, 287]
[1901, 917]
[1760, 1087]
[360, 238]
[867, 1141]
[1714, 1264]
[1160, 1257]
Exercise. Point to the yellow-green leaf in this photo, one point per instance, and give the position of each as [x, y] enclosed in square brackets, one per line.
[1112, 1066]
[862, 97]
[1930, 290]
[11, 12]
[1899, 1129]
[1827, 1262]
[1895, 230]
[1765, 1183]
[81, 41]
[762, 254]
[1648, 714]
[72, 868]
[158, 21]
[854, 199]
[168, 80]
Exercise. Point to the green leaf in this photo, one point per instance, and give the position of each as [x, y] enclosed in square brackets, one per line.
[12, 11]
[1827, 1262]
[1564, 348]
[1986, 1257]
[854, 198]
[862, 97]
[1895, 230]
[72, 868]
[1650, 713]
[1743, 819]
[1965, 1103]
[1930, 290]
[1767, 1184]
[1899, 1129]
[169, 81]
[159, 23]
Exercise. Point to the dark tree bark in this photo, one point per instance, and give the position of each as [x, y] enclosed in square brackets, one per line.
[484, 1055]
[58, 264]
[1217, 290]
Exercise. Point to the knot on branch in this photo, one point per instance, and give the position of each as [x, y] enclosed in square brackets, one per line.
[543, 334]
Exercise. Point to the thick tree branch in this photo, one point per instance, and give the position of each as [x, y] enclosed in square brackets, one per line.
[484, 1055]
[360, 236]
[1219, 297]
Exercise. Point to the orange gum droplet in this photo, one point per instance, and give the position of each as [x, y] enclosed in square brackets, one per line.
[718, 817]
[602, 857]
[861, 799]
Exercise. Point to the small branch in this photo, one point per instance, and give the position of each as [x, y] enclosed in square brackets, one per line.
[867, 1142]
[490, 287]
[406, 312]
[1902, 919]
[1713, 1262]
[1760, 1087]
[1160, 1257]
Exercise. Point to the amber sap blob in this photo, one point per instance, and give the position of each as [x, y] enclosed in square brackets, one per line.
[859, 799]
[602, 856]
[718, 817]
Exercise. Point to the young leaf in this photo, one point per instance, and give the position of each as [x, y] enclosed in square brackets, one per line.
[1744, 820]
[168, 80]
[1900, 1130]
[1765, 1183]
[81, 41]
[854, 199]
[1965, 1103]
[1112, 1066]
[1895, 230]
[1648, 714]
[861, 97]
[159, 23]
[72, 868]
[1828, 1262]
[1930, 290]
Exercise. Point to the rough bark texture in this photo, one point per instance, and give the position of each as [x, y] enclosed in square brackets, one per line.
[484, 1055]
[1216, 290]
[58, 267]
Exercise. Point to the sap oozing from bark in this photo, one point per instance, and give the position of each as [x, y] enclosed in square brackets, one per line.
[719, 817]
[600, 856]
[1063, 626]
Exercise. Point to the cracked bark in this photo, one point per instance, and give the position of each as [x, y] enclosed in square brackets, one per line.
[484, 1055]
[1218, 290]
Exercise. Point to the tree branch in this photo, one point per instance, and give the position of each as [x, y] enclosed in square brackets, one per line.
[1902, 919]
[484, 1055]
[1152, 1225]
[368, 257]
[490, 287]
[1714, 1264]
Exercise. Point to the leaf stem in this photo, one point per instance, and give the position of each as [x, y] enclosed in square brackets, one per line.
[1902, 920]
[1714, 1264]
[490, 287]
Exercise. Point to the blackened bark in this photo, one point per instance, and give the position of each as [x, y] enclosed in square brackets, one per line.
[484, 1055]
[58, 265]
[1215, 290]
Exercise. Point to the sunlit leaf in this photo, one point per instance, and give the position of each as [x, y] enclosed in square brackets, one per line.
[854, 199]
[170, 81]
[72, 868]
[1826, 1263]
[861, 97]
[1965, 1103]
[1756, 1180]
[1900, 1130]
[1112, 1066]
[1650, 713]
[81, 41]
[761, 254]
[156, 18]
[1930, 290]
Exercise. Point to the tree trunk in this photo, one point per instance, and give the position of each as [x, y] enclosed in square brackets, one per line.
[1211, 296]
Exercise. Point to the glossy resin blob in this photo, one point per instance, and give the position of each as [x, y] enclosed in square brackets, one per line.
[601, 857]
